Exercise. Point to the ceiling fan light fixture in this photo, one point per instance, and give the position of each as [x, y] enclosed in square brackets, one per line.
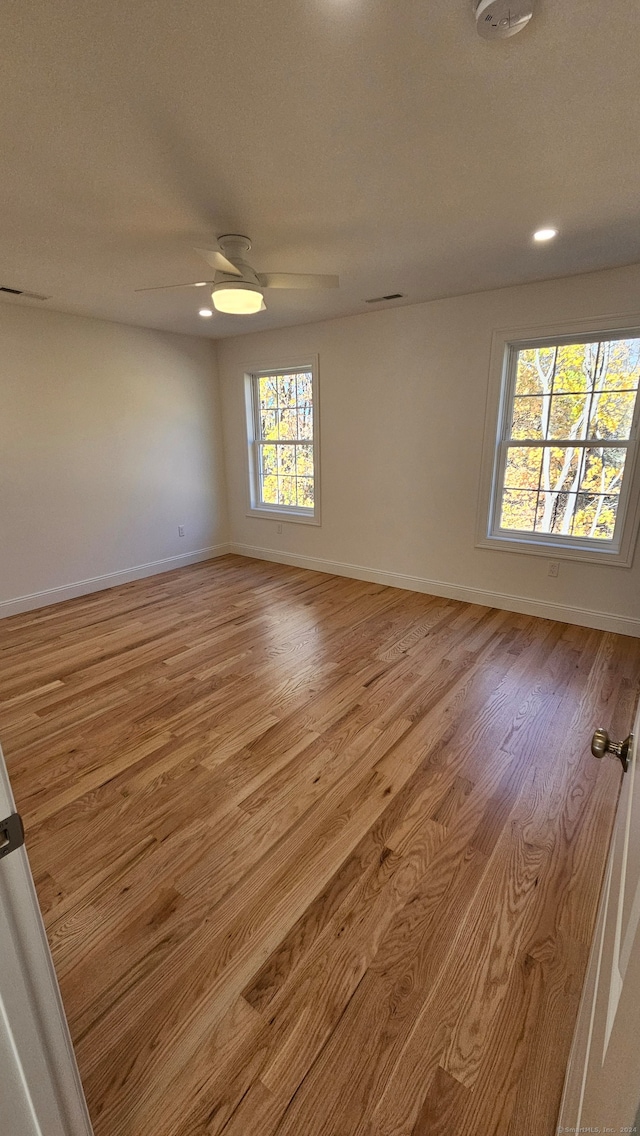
[237, 297]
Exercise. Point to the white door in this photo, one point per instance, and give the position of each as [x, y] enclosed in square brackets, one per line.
[40, 1089]
[602, 1087]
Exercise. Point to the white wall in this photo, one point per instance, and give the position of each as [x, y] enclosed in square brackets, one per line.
[109, 439]
[403, 395]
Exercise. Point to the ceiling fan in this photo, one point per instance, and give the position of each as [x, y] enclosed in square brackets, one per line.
[237, 289]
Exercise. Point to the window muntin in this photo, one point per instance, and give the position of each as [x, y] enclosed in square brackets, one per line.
[567, 440]
[284, 441]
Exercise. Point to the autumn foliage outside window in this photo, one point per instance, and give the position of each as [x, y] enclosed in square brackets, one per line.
[567, 433]
[284, 440]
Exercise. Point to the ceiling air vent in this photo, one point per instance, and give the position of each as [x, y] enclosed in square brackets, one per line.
[391, 296]
[20, 292]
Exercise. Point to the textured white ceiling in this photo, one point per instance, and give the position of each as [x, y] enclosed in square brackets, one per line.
[379, 139]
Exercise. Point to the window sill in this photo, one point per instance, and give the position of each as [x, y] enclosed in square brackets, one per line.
[273, 514]
[611, 557]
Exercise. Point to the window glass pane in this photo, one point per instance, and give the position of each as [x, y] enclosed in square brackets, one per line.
[268, 475]
[269, 460]
[305, 421]
[595, 356]
[595, 516]
[288, 424]
[568, 416]
[286, 390]
[612, 414]
[523, 467]
[270, 490]
[527, 419]
[305, 492]
[573, 374]
[518, 510]
[622, 369]
[559, 482]
[286, 460]
[603, 470]
[534, 370]
[555, 512]
[269, 424]
[268, 391]
[287, 491]
[561, 468]
[304, 387]
[304, 461]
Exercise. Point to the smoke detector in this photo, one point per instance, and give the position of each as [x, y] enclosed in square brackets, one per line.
[498, 19]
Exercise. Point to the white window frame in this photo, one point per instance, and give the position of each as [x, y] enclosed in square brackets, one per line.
[506, 342]
[256, 507]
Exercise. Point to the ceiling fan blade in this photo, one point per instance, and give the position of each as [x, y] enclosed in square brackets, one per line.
[297, 280]
[165, 287]
[218, 261]
[263, 307]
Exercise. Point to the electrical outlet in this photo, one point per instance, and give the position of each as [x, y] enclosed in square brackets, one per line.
[279, 530]
[180, 530]
[554, 568]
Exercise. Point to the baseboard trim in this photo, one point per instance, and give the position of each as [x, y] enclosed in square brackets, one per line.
[584, 617]
[108, 580]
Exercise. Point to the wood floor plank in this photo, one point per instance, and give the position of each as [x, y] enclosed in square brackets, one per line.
[315, 855]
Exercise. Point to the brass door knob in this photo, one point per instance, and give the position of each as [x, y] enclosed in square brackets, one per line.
[601, 743]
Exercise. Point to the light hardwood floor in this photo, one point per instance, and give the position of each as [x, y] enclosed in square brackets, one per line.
[317, 857]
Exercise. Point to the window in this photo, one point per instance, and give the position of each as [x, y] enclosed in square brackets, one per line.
[282, 410]
[564, 463]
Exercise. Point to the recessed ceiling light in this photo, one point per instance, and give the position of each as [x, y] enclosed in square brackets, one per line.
[205, 313]
[545, 234]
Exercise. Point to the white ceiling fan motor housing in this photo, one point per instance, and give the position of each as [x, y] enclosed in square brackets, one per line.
[498, 19]
[234, 246]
